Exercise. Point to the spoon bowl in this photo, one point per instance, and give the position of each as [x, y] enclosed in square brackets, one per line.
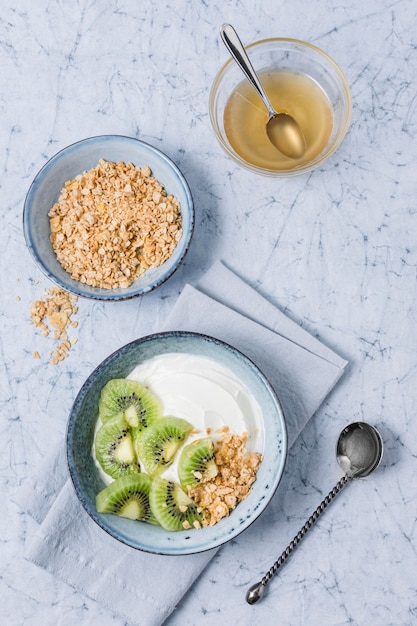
[285, 134]
[283, 131]
[358, 452]
[359, 449]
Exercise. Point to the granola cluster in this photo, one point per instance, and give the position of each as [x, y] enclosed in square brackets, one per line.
[53, 313]
[236, 473]
[112, 223]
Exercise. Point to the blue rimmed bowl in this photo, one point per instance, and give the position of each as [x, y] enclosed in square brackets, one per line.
[83, 156]
[88, 481]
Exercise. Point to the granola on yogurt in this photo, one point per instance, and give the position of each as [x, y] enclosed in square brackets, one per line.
[237, 470]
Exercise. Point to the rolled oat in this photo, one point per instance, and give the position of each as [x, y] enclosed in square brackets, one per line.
[112, 223]
[237, 470]
[54, 314]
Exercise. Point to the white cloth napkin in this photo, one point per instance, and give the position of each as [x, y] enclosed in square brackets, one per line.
[144, 588]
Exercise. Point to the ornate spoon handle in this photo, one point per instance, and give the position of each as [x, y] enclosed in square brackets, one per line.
[255, 592]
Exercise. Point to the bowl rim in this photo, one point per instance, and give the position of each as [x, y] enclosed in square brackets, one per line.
[69, 452]
[321, 158]
[106, 294]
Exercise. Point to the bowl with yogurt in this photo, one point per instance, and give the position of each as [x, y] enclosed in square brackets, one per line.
[178, 423]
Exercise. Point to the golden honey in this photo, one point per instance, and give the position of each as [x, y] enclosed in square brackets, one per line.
[245, 118]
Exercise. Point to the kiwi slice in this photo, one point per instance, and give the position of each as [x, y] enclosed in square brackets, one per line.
[136, 403]
[127, 496]
[196, 463]
[114, 448]
[157, 445]
[172, 507]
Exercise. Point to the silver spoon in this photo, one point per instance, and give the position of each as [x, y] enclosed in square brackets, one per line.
[358, 452]
[282, 129]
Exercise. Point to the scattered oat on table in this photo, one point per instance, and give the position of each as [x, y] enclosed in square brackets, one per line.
[237, 470]
[54, 314]
[112, 223]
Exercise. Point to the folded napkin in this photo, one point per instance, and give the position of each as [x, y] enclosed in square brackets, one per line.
[145, 588]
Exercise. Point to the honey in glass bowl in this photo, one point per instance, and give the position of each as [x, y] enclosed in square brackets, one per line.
[300, 79]
[297, 94]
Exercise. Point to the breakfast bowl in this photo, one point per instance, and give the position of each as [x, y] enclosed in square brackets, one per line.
[104, 208]
[221, 393]
[300, 80]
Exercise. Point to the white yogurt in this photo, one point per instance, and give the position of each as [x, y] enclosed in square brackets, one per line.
[206, 394]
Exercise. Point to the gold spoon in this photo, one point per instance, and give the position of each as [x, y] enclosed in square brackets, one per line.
[282, 129]
[358, 452]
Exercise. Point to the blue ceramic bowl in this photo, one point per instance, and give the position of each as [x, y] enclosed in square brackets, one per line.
[88, 481]
[77, 158]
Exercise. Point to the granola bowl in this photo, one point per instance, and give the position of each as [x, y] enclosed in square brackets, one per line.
[109, 217]
[183, 356]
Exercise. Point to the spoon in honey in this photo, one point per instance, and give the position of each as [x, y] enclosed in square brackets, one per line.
[282, 129]
[358, 452]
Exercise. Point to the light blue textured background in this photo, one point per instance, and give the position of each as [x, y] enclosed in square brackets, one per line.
[336, 249]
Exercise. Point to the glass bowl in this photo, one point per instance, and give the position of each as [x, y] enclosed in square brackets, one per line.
[323, 110]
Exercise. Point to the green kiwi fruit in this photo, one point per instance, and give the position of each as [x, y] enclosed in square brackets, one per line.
[157, 444]
[136, 403]
[172, 507]
[127, 496]
[196, 463]
[114, 448]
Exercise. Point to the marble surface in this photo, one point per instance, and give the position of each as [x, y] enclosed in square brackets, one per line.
[335, 249]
